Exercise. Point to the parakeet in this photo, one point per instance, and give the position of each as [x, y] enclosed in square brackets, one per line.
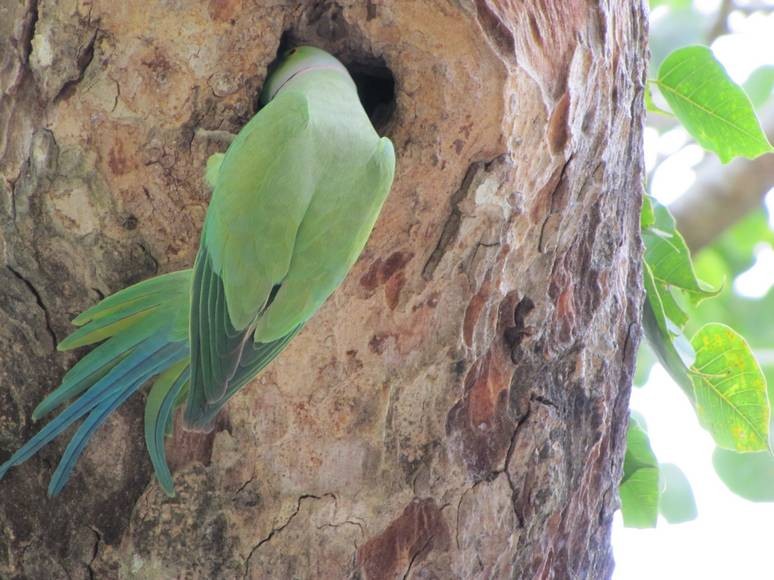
[295, 197]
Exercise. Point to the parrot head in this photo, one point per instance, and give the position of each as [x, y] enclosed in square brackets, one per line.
[294, 62]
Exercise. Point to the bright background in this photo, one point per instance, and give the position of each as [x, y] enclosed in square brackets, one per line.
[732, 538]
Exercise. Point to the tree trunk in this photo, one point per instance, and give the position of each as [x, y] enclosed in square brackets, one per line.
[456, 409]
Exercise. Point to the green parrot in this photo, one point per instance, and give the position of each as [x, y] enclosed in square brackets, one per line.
[294, 200]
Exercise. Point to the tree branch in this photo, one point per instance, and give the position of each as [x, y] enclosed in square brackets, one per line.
[720, 27]
[724, 194]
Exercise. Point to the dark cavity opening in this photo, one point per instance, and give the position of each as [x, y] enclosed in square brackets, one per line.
[374, 80]
[376, 88]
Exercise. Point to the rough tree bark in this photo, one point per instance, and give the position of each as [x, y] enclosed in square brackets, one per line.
[457, 409]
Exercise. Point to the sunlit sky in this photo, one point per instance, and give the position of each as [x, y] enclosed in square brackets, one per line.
[731, 538]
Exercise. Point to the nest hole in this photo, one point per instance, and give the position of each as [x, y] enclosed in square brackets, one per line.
[376, 88]
[373, 78]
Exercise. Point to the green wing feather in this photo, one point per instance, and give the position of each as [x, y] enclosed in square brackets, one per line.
[216, 346]
[265, 184]
[331, 237]
[247, 245]
[255, 357]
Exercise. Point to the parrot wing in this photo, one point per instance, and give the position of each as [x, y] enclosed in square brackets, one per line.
[264, 186]
[330, 240]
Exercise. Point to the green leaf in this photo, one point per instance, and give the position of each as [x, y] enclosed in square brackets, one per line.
[672, 309]
[711, 267]
[749, 475]
[670, 261]
[712, 108]
[647, 217]
[639, 486]
[676, 502]
[651, 106]
[670, 3]
[659, 333]
[730, 389]
[760, 85]
[639, 499]
[646, 358]
[668, 268]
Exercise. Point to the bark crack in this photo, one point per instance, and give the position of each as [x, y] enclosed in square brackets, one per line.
[416, 555]
[95, 552]
[551, 208]
[459, 505]
[506, 465]
[540, 399]
[344, 523]
[544, 401]
[242, 487]
[277, 529]
[39, 301]
[452, 225]
[117, 97]
[631, 337]
[150, 256]
[83, 60]
[12, 183]
[29, 31]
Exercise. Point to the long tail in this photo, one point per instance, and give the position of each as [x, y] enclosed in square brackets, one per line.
[145, 334]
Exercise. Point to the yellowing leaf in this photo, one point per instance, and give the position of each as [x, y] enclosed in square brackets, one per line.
[729, 389]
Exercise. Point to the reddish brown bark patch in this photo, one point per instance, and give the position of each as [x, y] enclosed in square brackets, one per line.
[479, 421]
[117, 160]
[420, 529]
[381, 271]
[392, 289]
[482, 422]
[388, 273]
[224, 10]
[378, 342]
[473, 313]
[558, 130]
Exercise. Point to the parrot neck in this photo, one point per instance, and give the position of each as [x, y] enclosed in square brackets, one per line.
[296, 75]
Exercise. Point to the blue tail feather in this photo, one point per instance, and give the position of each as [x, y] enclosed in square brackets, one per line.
[157, 418]
[78, 442]
[143, 331]
[100, 413]
[146, 360]
[87, 371]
